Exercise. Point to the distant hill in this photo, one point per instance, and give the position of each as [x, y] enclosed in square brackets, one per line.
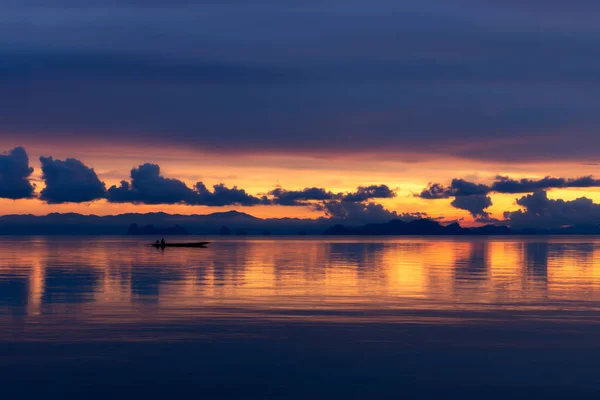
[429, 227]
[416, 227]
[209, 224]
[238, 223]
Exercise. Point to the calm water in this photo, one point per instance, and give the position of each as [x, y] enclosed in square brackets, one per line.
[298, 318]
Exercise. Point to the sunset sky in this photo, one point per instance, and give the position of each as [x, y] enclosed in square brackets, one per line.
[397, 96]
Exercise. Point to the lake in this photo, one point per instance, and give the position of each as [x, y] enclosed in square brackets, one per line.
[303, 317]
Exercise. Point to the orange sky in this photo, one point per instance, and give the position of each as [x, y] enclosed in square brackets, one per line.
[260, 173]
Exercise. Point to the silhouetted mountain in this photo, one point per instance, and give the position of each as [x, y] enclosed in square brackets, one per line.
[416, 227]
[224, 231]
[577, 230]
[135, 229]
[209, 224]
[232, 222]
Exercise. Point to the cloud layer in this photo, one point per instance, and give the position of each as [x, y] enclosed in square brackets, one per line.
[473, 197]
[303, 197]
[71, 181]
[488, 80]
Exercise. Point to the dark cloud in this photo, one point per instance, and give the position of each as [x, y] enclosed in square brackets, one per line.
[195, 82]
[69, 181]
[435, 191]
[473, 198]
[541, 212]
[504, 184]
[475, 205]
[284, 197]
[224, 196]
[358, 213]
[468, 196]
[364, 193]
[458, 188]
[308, 196]
[14, 175]
[125, 68]
[149, 187]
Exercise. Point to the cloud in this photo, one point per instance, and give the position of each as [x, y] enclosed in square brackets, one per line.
[149, 187]
[475, 205]
[439, 96]
[364, 213]
[458, 188]
[473, 197]
[224, 196]
[313, 196]
[358, 213]
[504, 184]
[435, 191]
[302, 197]
[364, 193]
[14, 175]
[69, 181]
[541, 212]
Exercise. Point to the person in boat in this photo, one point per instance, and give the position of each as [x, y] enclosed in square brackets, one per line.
[162, 242]
[158, 242]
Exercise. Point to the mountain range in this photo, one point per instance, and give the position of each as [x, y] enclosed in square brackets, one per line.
[233, 222]
[209, 224]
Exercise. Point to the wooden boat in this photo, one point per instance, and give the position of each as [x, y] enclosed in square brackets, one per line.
[196, 244]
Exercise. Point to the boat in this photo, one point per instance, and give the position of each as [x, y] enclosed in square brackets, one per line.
[162, 246]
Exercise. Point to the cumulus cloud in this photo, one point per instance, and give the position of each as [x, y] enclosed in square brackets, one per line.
[308, 196]
[224, 196]
[542, 212]
[302, 197]
[358, 212]
[69, 181]
[475, 205]
[14, 175]
[458, 187]
[364, 213]
[472, 197]
[468, 196]
[364, 193]
[149, 187]
[504, 184]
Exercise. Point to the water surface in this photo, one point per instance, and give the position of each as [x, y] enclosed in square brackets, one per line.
[299, 317]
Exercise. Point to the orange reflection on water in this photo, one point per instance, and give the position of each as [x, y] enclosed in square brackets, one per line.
[119, 280]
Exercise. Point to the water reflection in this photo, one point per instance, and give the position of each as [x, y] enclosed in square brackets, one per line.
[72, 285]
[14, 292]
[122, 280]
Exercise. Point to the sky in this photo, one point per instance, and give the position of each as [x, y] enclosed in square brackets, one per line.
[275, 97]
